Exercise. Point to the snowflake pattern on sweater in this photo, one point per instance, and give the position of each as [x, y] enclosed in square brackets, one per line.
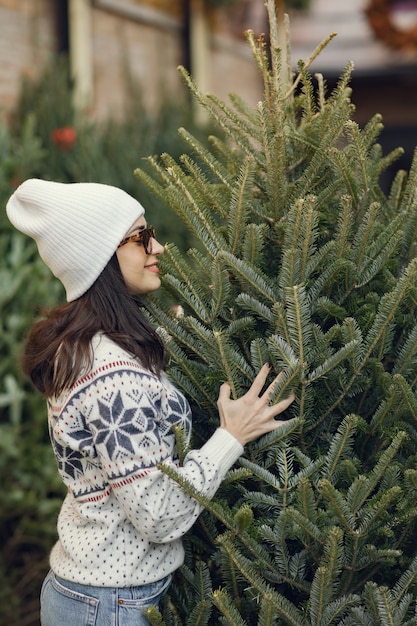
[130, 429]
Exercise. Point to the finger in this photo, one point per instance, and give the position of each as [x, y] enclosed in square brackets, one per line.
[271, 388]
[259, 380]
[282, 405]
[224, 392]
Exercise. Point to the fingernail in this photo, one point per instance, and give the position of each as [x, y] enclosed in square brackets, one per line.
[269, 364]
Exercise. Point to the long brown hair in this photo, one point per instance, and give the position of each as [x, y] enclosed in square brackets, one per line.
[58, 350]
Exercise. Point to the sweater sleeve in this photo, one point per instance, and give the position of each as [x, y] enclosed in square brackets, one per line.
[123, 430]
[159, 508]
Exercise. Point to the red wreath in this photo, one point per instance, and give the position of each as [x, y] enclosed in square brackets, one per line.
[379, 14]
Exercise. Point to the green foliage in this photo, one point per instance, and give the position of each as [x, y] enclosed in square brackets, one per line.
[31, 492]
[302, 261]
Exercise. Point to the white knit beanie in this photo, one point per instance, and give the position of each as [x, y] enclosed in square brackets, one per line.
[77, 226]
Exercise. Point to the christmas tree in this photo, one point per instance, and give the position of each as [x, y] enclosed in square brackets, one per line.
[303, 261]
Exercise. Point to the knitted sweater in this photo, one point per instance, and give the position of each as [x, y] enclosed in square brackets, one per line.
[122, 520]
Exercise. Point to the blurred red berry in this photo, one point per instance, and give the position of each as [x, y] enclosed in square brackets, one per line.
[64, 137]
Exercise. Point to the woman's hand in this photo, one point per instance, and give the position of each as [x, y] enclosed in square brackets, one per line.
[250, 416]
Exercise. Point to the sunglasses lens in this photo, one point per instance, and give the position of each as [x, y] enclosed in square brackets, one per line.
[148, 235]
[144, 238]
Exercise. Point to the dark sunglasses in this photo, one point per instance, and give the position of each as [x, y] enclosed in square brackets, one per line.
[143, 237]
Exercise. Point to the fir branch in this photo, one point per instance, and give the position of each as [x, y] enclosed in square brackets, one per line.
[231, 122]
[217, 509]
[224, 515]
[258, 48]
[253, 243]
[188, 376]
[406, 361]
[213, 195]
[409, 194]
[201, 265]
[307, 530]
[181, 442]
[268, 441]
[351, 331]
[379, 600]
[215, 166]
[244, 109]
[154, 616]
[358, 141]
[258, 353]
[306, 182]
[204, 343]
[250, 277]
[308, 103]
[189, 381]
[230, 361]
[396, 191]
[227, 608]
[299, 322]
[261, 310]
[340, 507]
[289, 568]
[280, 324]
[321, 91]
[267, 613]
[342, 161]
[408, 208]
[290, 269]
[340, 446]
[380, 329]
[306, 499]
[196, 216]
[338, 608]
[379, 504]
[276, 83]
[365, 234]
[184, 280]
[324, 581]
[361, 490]
[332, 363]
[387, 310]
[382, 163]
[200, 614]
[301, 236]
[235, 475]
[344, 225]
[372, 130]
[406, 582]
[384, 411]
[320, 267]
[238, 207]
[285, 609]
[378, 250]
[220, 288]
[158, 185]
[277, 484]
[330, 309]
[245, 130]
[310, 60]
[239, 326]
[405, 396]
[274, 148]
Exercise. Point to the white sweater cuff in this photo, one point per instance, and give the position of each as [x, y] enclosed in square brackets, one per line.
[222, 449]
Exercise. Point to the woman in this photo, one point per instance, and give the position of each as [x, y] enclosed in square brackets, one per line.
[111, 408]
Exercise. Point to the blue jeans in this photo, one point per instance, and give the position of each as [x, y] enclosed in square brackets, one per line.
[64, 603]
